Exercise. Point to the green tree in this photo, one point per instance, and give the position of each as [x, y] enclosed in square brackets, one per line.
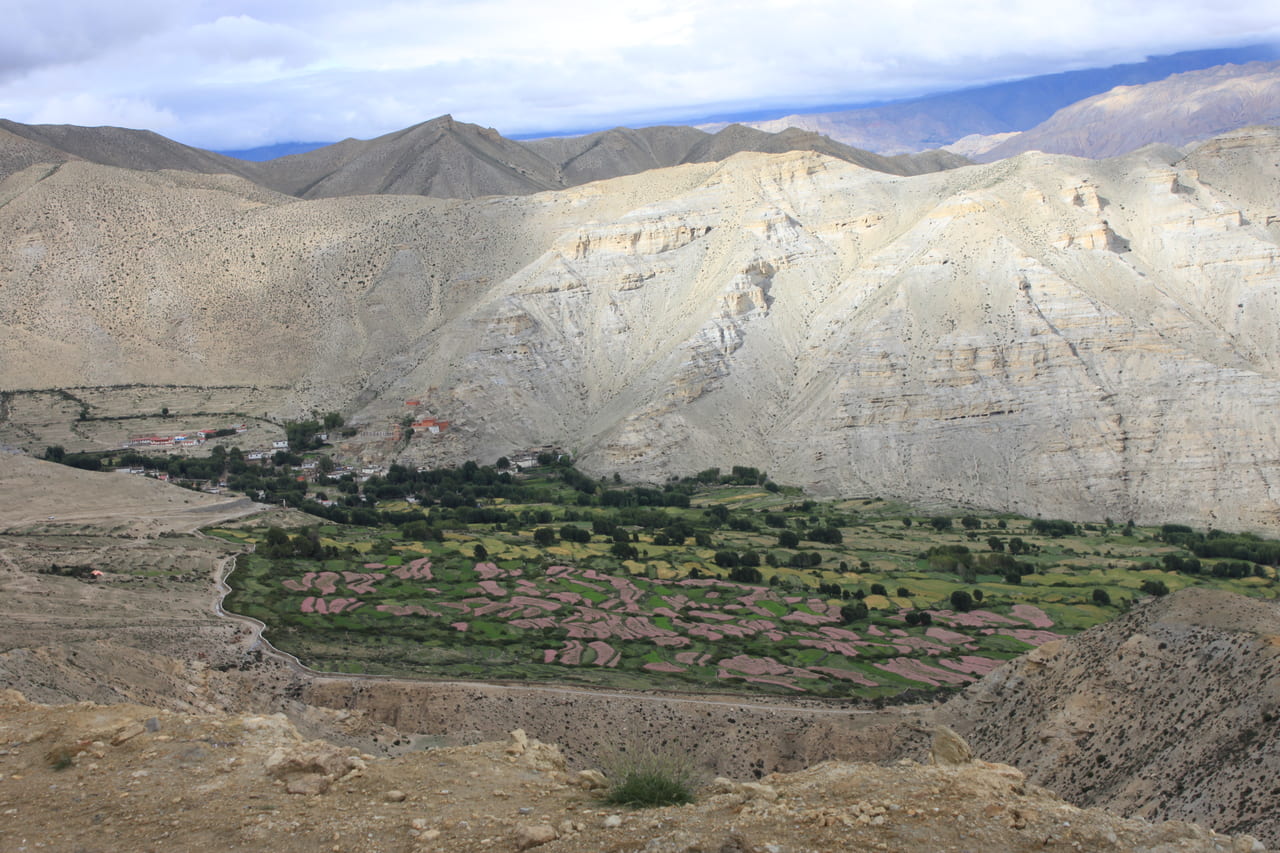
[1101, 598]
[854, 612]
[961, 601]
[416, 530]
[1155, 587]
[940, 523]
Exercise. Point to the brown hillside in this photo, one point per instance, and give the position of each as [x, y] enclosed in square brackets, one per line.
[1169, 712]
[89, 777]
[128, 149]
[442, 158]
[621, 151]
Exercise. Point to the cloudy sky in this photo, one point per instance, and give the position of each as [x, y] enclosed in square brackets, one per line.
[239, 73]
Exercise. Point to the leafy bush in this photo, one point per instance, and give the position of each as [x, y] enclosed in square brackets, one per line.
[1155, 587]
[642, 776]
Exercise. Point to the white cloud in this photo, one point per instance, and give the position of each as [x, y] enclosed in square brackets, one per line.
[93, 111]
[222, 73]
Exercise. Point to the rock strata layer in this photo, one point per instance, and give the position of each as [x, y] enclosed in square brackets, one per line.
[1043, 334]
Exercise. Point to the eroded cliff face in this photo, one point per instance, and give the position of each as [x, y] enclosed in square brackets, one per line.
[1044, 334]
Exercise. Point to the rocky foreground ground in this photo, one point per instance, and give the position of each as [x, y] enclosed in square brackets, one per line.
[86, 777]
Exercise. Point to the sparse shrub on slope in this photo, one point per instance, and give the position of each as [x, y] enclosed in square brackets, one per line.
[642, 776]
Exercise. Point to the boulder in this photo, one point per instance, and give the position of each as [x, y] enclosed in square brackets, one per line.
[949, 748]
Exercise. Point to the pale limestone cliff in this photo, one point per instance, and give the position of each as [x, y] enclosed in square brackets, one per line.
[1043, 334]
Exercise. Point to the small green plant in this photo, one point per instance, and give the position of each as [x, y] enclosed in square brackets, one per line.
[61, 757]
[641, 776]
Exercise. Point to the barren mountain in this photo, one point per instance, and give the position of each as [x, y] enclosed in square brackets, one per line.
[18, 152]
[1045, 334]
[917, 124]
[441, 158]
[621, 151]
[1181, 109]
[1169, 712]
[450, 159]
[128, 149]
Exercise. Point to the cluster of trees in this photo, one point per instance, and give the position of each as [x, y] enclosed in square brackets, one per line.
[1155, 587]
[1222, 569]
[304, 435]
[1216, 544]
[306, 545]
[471, 483]
[949, 558]
[739, 475]
[1055, 528]
[86, 461]
[829, 535]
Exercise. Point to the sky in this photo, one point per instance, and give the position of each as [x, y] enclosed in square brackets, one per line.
[227, 74]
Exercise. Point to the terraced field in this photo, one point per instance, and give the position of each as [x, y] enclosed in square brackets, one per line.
[874, 614]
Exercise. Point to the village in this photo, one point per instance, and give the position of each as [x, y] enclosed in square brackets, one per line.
[294, 450]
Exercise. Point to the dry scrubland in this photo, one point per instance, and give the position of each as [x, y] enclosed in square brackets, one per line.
[97, 778]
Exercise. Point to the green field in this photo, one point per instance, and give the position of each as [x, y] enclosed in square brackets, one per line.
[731, 587]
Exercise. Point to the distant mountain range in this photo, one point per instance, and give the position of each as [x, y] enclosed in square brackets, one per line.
[1181, 109]
[443, 158]
[938, 120]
